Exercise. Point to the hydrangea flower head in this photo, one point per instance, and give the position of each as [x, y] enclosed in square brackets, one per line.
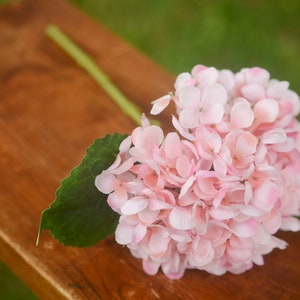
[212, 194]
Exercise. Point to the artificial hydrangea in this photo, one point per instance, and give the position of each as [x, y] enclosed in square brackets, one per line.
[212, 194]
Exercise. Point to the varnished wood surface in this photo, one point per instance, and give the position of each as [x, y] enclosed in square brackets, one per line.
[50, 111]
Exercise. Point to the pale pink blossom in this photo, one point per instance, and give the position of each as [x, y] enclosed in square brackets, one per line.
[212, 194]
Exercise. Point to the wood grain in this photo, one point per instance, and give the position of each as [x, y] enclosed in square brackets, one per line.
[50, 111]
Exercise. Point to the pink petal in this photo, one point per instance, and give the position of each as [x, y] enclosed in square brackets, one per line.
[239, 254]
[209, 142]
[220, 166]
[278, 243]
[145, 122]
[241, 115]
[125, 144]
[248, 192]
[258, 259]
[236, 242]
[134, 205]
[154, 180]
[147, 137]
[273, 221]
[184, 166]
[172, 145]
[213, 94]
[222, 213]
[188, 97]
[183, 237]
[182, 80]
[277, 89]
[266, 195]
[243, 229]
[247, 172]
[201, 218]
[140, 154]
[213, 115]
[117, 199]
[151, 267]
[160, 104]
[181, 218]
[293, 99]
[246, 144]
[262, 236]
[215, 232]
[157, 204]
[181, 130]
[252, 211]
[123, 233]
[287, 146]
[187, 198]
[168, 197]
[226, 78]
[139, 231]
[205, 187]
[219, 197]
[253, 92]
[125, 166]
[202, 252]
[188, 183]
[197, 69]
[275, 136]
[152, 135]
[106, 183]
[257, 75]
[174, 267]
[188, 118]
[147, 216]
[206, 76]
[290, 223]
[159, 240]
[215, 141]
[266, 110]
[260, 153]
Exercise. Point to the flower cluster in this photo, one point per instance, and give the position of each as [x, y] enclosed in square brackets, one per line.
[212, 194]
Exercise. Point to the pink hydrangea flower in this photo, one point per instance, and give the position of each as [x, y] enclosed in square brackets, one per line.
[211, 194]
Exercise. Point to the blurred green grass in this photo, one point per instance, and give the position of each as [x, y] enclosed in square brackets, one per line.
[226, 34]
[178, 34]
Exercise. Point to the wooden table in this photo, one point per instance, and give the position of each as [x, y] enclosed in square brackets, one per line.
[50, 111]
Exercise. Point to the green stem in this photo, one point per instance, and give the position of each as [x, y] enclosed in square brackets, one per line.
[89, 65]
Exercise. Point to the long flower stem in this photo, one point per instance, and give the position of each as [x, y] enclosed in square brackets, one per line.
[90, 66]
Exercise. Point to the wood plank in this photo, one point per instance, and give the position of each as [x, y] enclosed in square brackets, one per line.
[50, 111]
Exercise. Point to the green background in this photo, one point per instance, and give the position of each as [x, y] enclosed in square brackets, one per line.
[179, 34]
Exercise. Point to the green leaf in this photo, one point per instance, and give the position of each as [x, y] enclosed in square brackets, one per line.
[80, 215]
